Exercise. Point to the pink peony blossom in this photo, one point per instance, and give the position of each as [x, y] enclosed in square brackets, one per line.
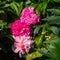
[27, 11]
[22, 44]
[20, 28]
[29, 16]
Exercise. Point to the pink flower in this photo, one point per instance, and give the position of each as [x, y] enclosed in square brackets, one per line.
[22, 44]
[27, 11]
[29, 16]
[20, 28]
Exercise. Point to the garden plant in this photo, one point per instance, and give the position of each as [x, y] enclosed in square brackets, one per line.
[29, 29]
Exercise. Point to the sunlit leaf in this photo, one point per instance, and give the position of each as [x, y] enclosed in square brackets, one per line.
[33, 55]
[38, 41]
[1, 11]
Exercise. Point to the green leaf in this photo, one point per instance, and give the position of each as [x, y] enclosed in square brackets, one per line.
[28, 2]
[55, 30]
[49, 18]
[42, 51]
[20, 7]
[53, 40]
[52, 19]
[1, 11]
[53, 49]
[38, 40]
[41, 7]
[57, 1]
[1, 24]
[54, 11]
[33, 55]
[44, 6]
[36, 30]
[2, 3]
[14, 7]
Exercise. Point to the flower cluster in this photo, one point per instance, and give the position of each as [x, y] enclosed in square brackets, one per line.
[21, 31]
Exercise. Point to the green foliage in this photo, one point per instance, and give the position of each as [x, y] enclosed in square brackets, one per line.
[55, 30]
[37, 29]
[52, 49]
[54, 11]
[53, 19]
[16, 7]
[33, 55]
[38, 41]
